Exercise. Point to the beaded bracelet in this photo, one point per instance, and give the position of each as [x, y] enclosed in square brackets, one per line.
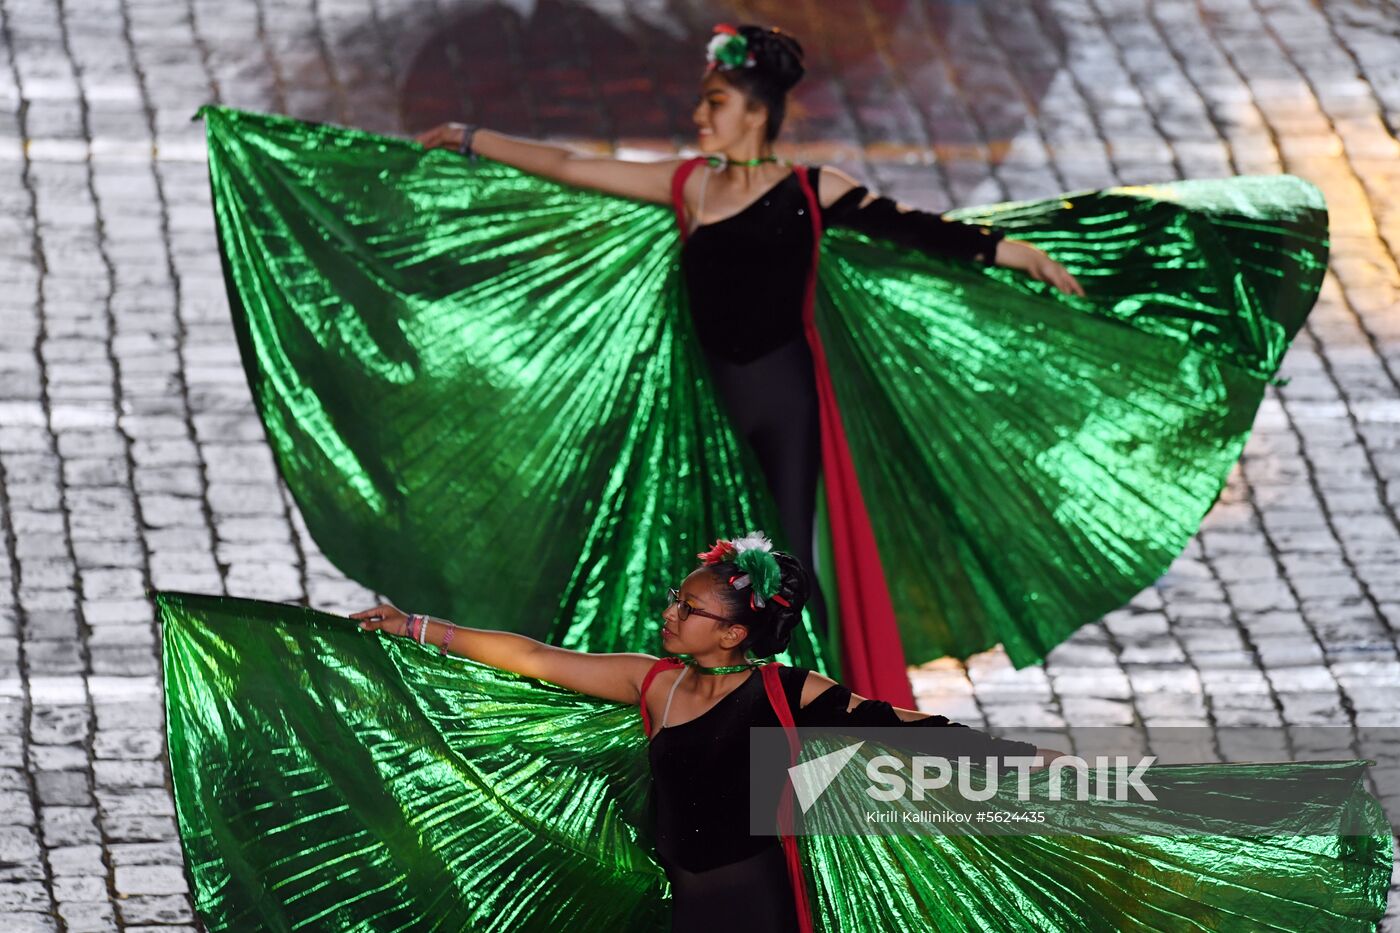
[423, 630]
[447, 637]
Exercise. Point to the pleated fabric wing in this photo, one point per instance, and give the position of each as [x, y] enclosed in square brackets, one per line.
[332, 779]
[1275, 846]
[1032, 460]
[480, 386]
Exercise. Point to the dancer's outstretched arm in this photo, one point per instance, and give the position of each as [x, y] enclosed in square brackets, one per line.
[610, 676]
[825, 702]
[645, 181]
[925, 230]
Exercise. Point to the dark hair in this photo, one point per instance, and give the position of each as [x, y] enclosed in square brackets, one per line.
[771, 626]
[777, 69]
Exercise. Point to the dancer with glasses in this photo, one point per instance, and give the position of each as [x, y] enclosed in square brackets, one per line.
[458, 777]
[740, 605]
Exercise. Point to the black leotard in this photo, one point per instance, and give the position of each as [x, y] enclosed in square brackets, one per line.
[745, 276]
[700, 796]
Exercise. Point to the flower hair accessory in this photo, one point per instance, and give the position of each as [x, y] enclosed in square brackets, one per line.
[728, 49]
[760, 573]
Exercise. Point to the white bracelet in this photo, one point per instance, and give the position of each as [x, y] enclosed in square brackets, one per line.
[422, 630]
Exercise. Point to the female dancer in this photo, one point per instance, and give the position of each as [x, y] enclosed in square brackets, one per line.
[748, 252]
[744, 599]
[329, 779]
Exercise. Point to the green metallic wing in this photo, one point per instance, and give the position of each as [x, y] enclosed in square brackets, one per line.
[480, 386]
[1031, 460]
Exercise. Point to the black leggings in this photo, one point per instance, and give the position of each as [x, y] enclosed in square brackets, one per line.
[772, 403]
[753, 895]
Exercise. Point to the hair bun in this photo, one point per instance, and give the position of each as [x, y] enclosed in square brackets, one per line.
[777, 54]
[795, 587]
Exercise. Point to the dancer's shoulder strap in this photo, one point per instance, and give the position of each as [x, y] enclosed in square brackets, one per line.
[663, 664]
[773, 685]
[678, 187]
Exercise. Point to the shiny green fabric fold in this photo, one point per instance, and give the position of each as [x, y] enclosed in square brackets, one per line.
[328, 778]
[483, 389]
[1248, 846]
[1032, 460]
[480, 391]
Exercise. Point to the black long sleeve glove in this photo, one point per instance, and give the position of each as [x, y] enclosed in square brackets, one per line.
[932, 233]
[952, 741]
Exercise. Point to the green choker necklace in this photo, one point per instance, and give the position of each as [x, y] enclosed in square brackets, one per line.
[720, 161]
[725, 669]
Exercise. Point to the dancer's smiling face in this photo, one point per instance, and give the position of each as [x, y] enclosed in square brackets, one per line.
[725, 118]
[699, 633]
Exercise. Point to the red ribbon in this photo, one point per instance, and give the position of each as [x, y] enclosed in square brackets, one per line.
[774, 688]
[874, 665]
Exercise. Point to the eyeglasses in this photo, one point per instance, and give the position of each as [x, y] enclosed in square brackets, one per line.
[684, 609]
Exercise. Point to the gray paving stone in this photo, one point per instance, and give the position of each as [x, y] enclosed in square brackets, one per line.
[164, 910]
[54, 758]
[27, 922]
[23, 896]
[88, 916]
[59, 725]
[76, 860]
[145, 853]
[80, 888]
[120, 774]
[62, 788]
[137, 828]
[136, 744]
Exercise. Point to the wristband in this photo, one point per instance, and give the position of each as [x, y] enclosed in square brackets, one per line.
[447, 637]
[465, 147]
[423, 630]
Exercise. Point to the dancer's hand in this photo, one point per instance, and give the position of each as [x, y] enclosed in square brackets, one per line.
[443, 136]
[383, 617]
[1048, 755]
[1018, 254]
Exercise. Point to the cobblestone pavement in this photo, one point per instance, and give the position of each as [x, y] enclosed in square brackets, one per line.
[131, 457]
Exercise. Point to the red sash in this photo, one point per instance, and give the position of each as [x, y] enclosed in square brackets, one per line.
[774, 687]
[874, 665]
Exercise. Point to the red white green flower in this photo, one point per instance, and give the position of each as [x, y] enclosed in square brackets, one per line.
[728, 49]
[753, 555]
